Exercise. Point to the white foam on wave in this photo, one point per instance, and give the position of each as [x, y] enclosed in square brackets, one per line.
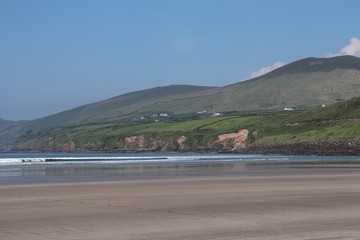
[137, 159]
[15, 161]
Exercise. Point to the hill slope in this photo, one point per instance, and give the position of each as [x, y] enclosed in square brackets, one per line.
[327, 130]
[105, 111]
[6, 123]
[305, 83]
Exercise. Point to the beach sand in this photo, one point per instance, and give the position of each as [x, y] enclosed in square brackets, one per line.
[300, 204]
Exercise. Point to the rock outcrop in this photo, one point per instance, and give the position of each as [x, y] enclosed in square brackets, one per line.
[233, 140]
[135, 141]
[305, 148]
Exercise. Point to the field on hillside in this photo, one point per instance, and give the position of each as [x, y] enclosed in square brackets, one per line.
[339, 122]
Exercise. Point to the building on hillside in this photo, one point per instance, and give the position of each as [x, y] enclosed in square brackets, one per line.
[216, 114]
[160, 115]
[202, 111]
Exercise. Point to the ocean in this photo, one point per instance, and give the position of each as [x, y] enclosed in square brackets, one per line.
[22, 168]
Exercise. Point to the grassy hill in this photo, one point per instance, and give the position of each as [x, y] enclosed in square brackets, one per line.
[349, 110]
[303, 84]
[338, 122]
[6, 124]
[109, 110]
[306, 83]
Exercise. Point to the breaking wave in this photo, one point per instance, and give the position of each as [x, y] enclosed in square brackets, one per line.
[137, 159]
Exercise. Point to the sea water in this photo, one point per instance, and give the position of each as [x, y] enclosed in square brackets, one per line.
[24, 168]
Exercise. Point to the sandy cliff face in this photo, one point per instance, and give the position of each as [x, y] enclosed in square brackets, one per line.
[228, 141]
[69, 145]
[135, 141]
[233, 140]
[181, 141]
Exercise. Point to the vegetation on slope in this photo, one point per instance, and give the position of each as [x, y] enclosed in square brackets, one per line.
[306, 83]
[5, 123]
[118, 108]
[338, 122]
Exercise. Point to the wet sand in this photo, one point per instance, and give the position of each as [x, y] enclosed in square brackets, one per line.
[301, 204]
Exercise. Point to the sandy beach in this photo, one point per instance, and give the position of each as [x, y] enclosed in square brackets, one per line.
[301, 204]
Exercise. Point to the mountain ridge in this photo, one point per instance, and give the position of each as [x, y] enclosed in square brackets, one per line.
[313, 64]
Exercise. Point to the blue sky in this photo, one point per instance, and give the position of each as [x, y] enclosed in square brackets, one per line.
[57, 55]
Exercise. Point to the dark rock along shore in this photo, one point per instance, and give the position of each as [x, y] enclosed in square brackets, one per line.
[305, 148]
[330, 148]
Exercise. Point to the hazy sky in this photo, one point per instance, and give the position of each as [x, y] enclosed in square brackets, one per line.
[57, 55]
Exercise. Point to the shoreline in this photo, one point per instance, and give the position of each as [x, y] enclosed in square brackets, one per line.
[322, 148]
[79, 169]
[301, 204]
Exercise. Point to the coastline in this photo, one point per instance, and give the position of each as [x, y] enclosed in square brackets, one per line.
[301, 204]
[321, 148]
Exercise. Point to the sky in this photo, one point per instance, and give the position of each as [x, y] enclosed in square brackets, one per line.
[58, 55]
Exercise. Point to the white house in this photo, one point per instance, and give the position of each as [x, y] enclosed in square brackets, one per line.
[216, 114]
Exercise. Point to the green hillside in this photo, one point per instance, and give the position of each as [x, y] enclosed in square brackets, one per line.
[303, 84]
[338, 122]
[5, 123]
[343, 110]
[310, 65]
[109, 110]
